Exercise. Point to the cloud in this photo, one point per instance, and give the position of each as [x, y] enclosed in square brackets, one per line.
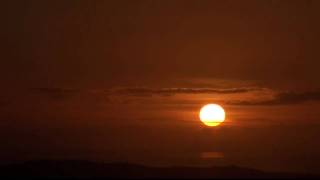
[284, 98]
[54, 90]
[56, 93]
[112, 94]
[141, 91]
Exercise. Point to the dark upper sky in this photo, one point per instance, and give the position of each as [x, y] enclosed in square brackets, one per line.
[107, 43]
[114, 78]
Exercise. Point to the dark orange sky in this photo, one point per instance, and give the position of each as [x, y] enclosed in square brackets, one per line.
[125, 80]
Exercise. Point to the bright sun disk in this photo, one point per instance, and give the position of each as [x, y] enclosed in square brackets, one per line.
[212, 114]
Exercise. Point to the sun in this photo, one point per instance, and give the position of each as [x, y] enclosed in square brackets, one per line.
[212, 114]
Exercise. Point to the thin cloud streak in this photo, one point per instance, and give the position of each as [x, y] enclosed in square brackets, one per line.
[283, 98]
[173, 91]
[55, 93]
[149, 91]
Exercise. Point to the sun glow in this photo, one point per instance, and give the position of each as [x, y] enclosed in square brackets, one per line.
[212, 114]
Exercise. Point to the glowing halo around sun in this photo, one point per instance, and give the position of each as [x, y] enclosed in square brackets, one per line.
[212, 114]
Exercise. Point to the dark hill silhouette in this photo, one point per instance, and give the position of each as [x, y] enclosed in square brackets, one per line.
[84, 169]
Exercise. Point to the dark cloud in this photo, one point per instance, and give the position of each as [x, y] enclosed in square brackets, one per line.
[63, 93]
[55, 90]
[284, 98]
[281, 98]
[172, 91]
[55, 93]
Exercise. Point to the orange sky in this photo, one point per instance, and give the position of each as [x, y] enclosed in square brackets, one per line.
[125, 80]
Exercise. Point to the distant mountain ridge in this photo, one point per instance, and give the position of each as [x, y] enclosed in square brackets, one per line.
[90, 169]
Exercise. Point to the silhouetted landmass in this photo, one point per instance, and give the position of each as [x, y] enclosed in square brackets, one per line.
[86, 169]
